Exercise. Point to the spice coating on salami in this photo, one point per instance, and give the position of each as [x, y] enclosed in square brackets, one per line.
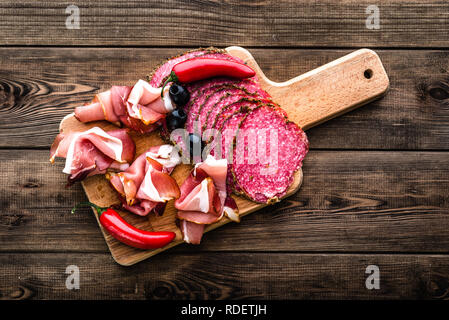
[215, 99]
[222, 145]
[242, 90]
[231, 109]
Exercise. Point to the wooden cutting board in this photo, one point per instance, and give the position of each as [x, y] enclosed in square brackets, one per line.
[309, 99]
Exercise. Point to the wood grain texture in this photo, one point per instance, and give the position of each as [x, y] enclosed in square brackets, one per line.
[350, 201]
[387, 202]
[280, 23]
[225, 276]
[39, 86]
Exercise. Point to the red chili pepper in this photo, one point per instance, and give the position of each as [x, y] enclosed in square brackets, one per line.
[203, 68]
[126, 233]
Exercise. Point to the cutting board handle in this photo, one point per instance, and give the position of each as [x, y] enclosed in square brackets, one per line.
[328, 91]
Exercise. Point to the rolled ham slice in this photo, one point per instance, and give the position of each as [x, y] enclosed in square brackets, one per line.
[218, 171]
[231, 210]
[166, 155]
[146, 185]
[146, 95]
[139, 107]
[119, 96]
[192, 232]
[204, 199]
[101, 108]
[93, 152]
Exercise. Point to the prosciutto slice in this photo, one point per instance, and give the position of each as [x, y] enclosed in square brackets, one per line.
[147, 185]
[204, 199]
[139, 107]
[93, 152]
[192, 232]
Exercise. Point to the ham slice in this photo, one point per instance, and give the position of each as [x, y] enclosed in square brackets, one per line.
[93, 152]
[231, 210]
[192, 232]
[144, 94]
[140, 207]
[139, 107]
[166, 155]
[204, 199]
[146, 184]
[119, 96]
[144, 114]
[218, 171]
[138, 125]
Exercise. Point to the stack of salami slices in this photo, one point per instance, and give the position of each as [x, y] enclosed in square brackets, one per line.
[241, 112]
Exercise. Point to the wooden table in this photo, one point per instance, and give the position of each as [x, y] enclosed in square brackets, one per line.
[376, 181]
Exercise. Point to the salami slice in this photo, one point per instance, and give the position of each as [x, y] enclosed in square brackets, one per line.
[226, 143]
[243, 90]
[198, 89]
[212, 100]
[225, 121]
[268, 150]
[250, 103]
[231, 109]
[210, 96]
[203, 93]
[197, 105]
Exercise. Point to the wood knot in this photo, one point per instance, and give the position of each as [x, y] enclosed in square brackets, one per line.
[7, 100]
[438, 91]
[335, 202]
[11, 220]
[21, 293]
[438, 287]
[12, 93]
[160, 290]
[31, 184]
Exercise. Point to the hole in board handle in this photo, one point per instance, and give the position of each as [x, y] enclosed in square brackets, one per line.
[368, 73]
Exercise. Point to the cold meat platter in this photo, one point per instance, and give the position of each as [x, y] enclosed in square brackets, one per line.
[302, 102]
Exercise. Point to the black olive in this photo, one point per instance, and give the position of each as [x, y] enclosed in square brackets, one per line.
[179, 95]
[176, 119]
[180, 113]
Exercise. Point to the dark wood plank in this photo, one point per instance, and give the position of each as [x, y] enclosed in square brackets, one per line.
[225, 276]
[39, 86]
[280, 23]
[350, 201]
